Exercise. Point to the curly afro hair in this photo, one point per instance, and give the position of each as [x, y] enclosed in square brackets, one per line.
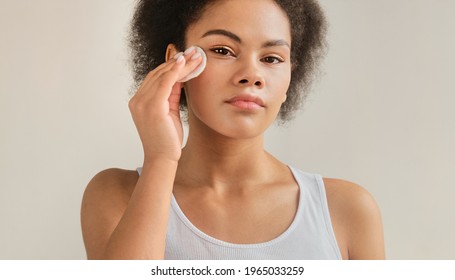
[157, 23]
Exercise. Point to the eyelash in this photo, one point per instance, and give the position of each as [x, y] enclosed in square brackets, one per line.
[223, 51]
[277, 59]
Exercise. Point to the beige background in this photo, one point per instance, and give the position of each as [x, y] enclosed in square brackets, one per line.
[379, 115]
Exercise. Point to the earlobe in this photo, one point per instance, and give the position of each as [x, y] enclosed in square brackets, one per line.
[171, 51]
[293, 66]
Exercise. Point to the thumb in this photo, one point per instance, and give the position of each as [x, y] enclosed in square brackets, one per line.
[174, 98]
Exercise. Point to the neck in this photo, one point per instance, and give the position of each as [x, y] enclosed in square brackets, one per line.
[220, 162]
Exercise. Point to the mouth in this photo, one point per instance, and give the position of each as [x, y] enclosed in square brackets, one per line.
[246, 102]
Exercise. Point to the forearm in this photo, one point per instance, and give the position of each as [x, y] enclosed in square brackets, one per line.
[141, 232]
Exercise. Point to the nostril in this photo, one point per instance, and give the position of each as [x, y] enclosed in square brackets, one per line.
[244, 81]
[258, 83]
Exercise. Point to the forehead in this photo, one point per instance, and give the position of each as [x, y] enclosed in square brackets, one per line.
[246, 18]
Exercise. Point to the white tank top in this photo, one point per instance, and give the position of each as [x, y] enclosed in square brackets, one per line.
[309, 237]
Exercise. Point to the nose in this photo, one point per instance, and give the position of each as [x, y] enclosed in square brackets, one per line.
[249, 76]
[258, 83]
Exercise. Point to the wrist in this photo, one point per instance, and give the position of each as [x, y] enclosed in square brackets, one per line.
[152, 156]
[160, 162]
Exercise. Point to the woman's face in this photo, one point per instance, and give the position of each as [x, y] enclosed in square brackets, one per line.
[248, 67]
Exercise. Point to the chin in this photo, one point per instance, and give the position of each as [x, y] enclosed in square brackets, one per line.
[240, 130]
[237, 126]
[243, 134]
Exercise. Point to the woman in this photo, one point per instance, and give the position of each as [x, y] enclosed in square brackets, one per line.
[223, 196]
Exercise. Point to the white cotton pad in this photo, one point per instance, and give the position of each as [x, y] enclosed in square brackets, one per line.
[196, 72]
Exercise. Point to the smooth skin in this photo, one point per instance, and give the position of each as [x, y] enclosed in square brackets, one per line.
[223, 179]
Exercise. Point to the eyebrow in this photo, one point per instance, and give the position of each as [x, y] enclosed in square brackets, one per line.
[274, 43]
[271, 43]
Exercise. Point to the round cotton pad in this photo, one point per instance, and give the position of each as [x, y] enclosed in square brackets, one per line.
[196, 72]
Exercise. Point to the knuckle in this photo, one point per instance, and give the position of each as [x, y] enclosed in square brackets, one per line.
[132, 103]
[136, 106]
[163, 83]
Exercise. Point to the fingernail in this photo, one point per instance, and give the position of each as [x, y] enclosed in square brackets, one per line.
[177, 55]
[189, 50]
[196, 56]
[180, 58]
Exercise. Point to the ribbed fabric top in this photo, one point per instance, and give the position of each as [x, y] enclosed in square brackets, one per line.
[310, 236]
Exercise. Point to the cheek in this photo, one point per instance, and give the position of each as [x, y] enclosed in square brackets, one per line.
[216, 80]
[286, 88]
[281, 82]
[207, 84]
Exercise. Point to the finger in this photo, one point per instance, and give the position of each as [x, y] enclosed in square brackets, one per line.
[152, 75]
[170, 63]
[192, 61]
[167, 81]
[174, 99]
[198, 55]
[161, 79]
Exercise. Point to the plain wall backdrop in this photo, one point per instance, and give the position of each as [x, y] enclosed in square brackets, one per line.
[380, 115]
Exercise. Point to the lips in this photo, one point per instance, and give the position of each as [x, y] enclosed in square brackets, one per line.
[247, 102]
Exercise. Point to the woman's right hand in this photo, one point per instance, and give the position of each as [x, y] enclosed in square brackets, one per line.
[155, 107]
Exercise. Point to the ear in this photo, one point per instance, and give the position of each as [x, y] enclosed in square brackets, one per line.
[171, 51]
[293, 66]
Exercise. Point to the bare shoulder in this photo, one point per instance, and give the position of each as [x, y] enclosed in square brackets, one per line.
[113, 183]
[103, 204]
[356, 219]
[349, 195]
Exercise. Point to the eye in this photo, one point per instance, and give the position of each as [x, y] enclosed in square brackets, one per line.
[272, 60]
[222, 51]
